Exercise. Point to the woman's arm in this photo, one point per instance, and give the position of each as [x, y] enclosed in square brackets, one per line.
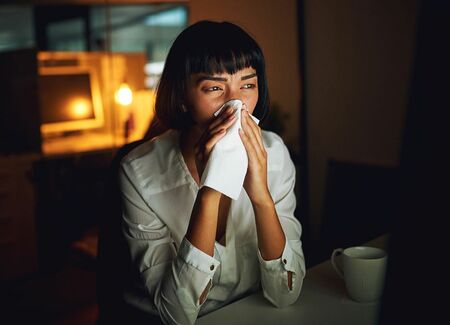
[278, 231]
[174, 278]
[203, 226]
[271, 238]
[203, 223]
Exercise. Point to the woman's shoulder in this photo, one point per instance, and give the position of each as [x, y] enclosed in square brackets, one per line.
[155, 155]
[155, 145]
[272, 140]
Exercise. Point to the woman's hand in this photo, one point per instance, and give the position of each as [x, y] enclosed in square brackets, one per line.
[213, 133]
[255, 183]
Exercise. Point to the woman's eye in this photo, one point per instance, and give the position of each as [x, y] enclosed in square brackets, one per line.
[249, 86]
[214, 88]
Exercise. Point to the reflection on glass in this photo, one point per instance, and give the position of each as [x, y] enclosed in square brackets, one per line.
[150, 29]
[67, 35]
[84, 53]
[172, 17]
[16, 27]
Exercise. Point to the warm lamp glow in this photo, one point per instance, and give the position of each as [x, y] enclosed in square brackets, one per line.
[80, 108]
[124, 95]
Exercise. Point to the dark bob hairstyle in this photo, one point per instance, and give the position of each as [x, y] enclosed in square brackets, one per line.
[212, 48]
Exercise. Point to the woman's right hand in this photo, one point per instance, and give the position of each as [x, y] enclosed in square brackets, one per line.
[213, 133]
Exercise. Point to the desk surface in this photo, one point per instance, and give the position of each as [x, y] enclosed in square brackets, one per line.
[323, 300]
[81, 143]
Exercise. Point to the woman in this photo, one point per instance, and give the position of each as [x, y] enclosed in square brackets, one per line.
[194, 249]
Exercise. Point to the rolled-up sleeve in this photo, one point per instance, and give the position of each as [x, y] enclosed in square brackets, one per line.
[174, 278]
[274, 273]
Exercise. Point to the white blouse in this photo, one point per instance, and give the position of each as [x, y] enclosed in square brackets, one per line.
[158, 194]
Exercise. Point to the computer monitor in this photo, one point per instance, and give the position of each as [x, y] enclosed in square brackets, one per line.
[70, 99]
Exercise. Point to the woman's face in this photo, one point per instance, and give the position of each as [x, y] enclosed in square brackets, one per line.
[206, 93]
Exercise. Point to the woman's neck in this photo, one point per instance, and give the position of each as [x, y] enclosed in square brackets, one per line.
[188, 139]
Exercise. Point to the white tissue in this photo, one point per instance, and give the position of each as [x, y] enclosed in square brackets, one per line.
[227, 164]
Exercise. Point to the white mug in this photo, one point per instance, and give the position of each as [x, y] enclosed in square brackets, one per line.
[363, 270]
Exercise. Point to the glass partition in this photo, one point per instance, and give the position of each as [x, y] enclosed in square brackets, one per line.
[124, 46]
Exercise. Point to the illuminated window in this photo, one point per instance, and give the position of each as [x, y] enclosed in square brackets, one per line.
[16, 27]
[140, 28]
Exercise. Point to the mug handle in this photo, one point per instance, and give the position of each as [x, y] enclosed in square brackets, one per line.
[334, 262]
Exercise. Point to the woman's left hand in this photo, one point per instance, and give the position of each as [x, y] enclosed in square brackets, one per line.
[255, 183]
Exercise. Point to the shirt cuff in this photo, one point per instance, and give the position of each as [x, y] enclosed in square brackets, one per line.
[197, 258]
[285, 261]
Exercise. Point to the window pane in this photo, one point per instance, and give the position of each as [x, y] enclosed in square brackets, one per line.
[67, 35]
[150, 29]
[16, 27]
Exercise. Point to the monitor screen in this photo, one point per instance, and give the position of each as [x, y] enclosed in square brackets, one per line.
[69, 99]
[66, 98]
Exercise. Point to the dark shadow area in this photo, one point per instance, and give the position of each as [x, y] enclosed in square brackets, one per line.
[114, 261]
[19, 118]
[417, 277]
[360, 203]
[69, 192]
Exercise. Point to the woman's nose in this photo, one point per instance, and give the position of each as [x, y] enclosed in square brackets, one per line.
[235, 94]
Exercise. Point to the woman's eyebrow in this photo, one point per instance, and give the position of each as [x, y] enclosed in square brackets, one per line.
[249, 76]
[203, 78]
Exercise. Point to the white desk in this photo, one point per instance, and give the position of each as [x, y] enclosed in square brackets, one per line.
[323, 300]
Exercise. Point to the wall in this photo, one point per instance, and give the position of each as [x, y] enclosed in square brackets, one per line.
[274, 26]
[358, 57]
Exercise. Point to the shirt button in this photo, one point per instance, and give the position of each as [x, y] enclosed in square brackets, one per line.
[211, 267]
[284, 261]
